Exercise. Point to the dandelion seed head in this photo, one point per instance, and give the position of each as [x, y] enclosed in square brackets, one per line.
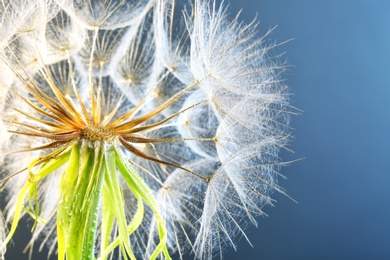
[154, 125]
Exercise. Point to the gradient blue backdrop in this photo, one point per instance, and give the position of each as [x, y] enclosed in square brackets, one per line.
[341, 80]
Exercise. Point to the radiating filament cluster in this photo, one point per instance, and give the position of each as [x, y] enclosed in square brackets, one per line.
[136, 129]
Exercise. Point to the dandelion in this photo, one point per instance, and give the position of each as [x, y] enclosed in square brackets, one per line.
[136, 129]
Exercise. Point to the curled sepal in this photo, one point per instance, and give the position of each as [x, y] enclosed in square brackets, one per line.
[113, 189]
[142, 191]
[47, 165]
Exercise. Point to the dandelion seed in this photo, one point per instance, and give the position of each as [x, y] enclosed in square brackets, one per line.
[136, 129]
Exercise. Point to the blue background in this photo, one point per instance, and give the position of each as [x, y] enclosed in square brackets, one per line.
[340, 78]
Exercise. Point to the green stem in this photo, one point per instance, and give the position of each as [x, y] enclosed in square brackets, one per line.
[78, 209]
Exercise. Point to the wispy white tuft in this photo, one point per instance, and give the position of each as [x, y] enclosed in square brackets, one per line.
[223, 123]
[106, 14]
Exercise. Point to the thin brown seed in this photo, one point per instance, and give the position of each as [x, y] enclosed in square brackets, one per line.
[139, 153]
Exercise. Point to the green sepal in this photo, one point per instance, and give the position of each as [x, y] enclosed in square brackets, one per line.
[55, 161]
[111, 180]
[138, 186]
[136, 220]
